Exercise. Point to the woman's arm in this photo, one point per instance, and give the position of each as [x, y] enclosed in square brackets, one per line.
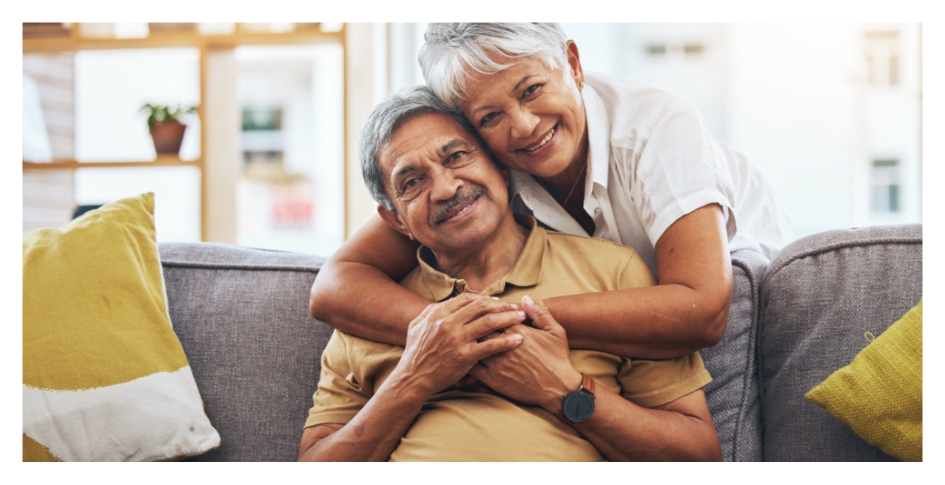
[356, 291]
[685, 312]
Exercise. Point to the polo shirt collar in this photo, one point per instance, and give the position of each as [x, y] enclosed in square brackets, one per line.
[526, 272]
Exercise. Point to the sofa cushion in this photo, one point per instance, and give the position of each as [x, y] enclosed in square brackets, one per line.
[819, 298]
[733, 393]
[879, 395]
[242, 317]
[104, 376]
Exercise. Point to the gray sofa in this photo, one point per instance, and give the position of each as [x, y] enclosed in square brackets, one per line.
[242, 317]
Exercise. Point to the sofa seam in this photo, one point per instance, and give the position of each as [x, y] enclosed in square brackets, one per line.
[839, 245]
[749, 358]
[238, 267]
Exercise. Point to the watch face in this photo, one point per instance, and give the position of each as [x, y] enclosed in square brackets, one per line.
[578, 406]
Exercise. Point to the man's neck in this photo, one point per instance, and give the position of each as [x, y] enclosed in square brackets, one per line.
[491, 261]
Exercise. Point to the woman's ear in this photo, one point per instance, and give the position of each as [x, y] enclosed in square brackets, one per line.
[574, 62]
[393, 220]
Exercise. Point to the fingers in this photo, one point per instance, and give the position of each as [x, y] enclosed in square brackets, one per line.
[495, 345]
[494, 321]
[480, 372]
[538, 312]
[472, 308]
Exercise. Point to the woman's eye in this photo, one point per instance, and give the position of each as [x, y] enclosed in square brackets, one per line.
[530, 90]
[487, 118]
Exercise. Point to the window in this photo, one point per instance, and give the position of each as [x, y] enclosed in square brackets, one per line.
[882, 57]
[688, 49]
[884, 187]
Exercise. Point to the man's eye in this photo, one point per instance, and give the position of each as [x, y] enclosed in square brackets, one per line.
[409, 184]
[456, 156]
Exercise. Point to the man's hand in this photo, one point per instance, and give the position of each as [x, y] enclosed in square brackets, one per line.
[443, 342]
[539, 371]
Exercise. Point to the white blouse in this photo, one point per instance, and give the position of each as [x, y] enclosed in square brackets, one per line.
[652, 161]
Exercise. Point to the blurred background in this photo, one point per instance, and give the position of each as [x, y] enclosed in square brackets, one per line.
[830, 113]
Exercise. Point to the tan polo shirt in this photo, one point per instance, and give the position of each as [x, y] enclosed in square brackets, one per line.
[464, 425]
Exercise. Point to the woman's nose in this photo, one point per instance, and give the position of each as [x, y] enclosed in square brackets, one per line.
[524, 123]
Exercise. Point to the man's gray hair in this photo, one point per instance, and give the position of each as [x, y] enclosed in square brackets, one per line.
[450, 49]
[386, 118]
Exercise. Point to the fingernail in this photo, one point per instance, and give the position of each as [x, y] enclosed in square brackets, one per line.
[517, 338]
[495, 298]
[528, 299]
[521, 314]
[514, 306]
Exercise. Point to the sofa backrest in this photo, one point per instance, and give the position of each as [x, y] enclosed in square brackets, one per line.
[819, 297]
[242, 318]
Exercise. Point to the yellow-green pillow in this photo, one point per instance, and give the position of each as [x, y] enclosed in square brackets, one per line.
[879, 395]
[104, 375]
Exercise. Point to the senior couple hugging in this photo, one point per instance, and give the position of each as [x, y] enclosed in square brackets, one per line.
[551, 252]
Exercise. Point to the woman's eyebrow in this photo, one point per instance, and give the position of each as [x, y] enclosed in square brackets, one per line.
[519, 85]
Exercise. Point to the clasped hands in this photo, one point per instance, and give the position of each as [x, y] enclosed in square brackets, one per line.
[487, 338]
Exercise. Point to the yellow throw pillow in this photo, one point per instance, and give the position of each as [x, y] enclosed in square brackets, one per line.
[879, 395]
[104, 375]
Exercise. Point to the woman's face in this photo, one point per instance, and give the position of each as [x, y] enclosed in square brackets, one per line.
[531, 115]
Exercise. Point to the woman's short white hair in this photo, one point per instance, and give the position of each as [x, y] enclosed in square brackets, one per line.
[449, 50]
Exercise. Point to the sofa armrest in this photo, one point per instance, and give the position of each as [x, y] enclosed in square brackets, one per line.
[819, 296]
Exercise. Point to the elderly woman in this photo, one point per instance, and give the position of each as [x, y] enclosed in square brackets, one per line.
[594, 155]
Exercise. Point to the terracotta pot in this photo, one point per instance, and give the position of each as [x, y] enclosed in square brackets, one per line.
[167, 136]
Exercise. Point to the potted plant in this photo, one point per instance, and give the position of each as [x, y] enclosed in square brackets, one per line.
[165, 126]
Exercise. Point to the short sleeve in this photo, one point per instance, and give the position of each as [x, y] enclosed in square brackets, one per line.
[678, 169]
[651, 383]
[339, 396]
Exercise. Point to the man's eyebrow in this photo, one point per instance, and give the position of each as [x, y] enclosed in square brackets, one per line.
[455, 142]
[403, 171]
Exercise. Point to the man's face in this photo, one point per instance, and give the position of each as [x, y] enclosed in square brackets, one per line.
[448, 194]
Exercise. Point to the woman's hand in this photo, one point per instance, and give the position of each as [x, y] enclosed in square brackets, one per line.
[539, 371]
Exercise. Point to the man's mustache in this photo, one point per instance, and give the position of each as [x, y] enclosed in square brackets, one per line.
[458, 199]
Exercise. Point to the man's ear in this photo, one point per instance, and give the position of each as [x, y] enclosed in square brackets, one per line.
[393, 220]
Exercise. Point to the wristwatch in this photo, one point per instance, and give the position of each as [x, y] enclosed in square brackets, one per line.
[579, 405]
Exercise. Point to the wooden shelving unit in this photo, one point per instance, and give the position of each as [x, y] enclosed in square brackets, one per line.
[74, 42]
[160, 161]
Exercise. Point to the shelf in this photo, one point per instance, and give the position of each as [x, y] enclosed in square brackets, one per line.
[182, 39]
[161, 161]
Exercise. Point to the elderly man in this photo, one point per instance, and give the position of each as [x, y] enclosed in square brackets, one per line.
[486, 273]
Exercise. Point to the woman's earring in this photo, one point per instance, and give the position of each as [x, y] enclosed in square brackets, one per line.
[582, 84]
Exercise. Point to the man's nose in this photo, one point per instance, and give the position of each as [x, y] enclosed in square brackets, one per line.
[445, 185]
[524, 122]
